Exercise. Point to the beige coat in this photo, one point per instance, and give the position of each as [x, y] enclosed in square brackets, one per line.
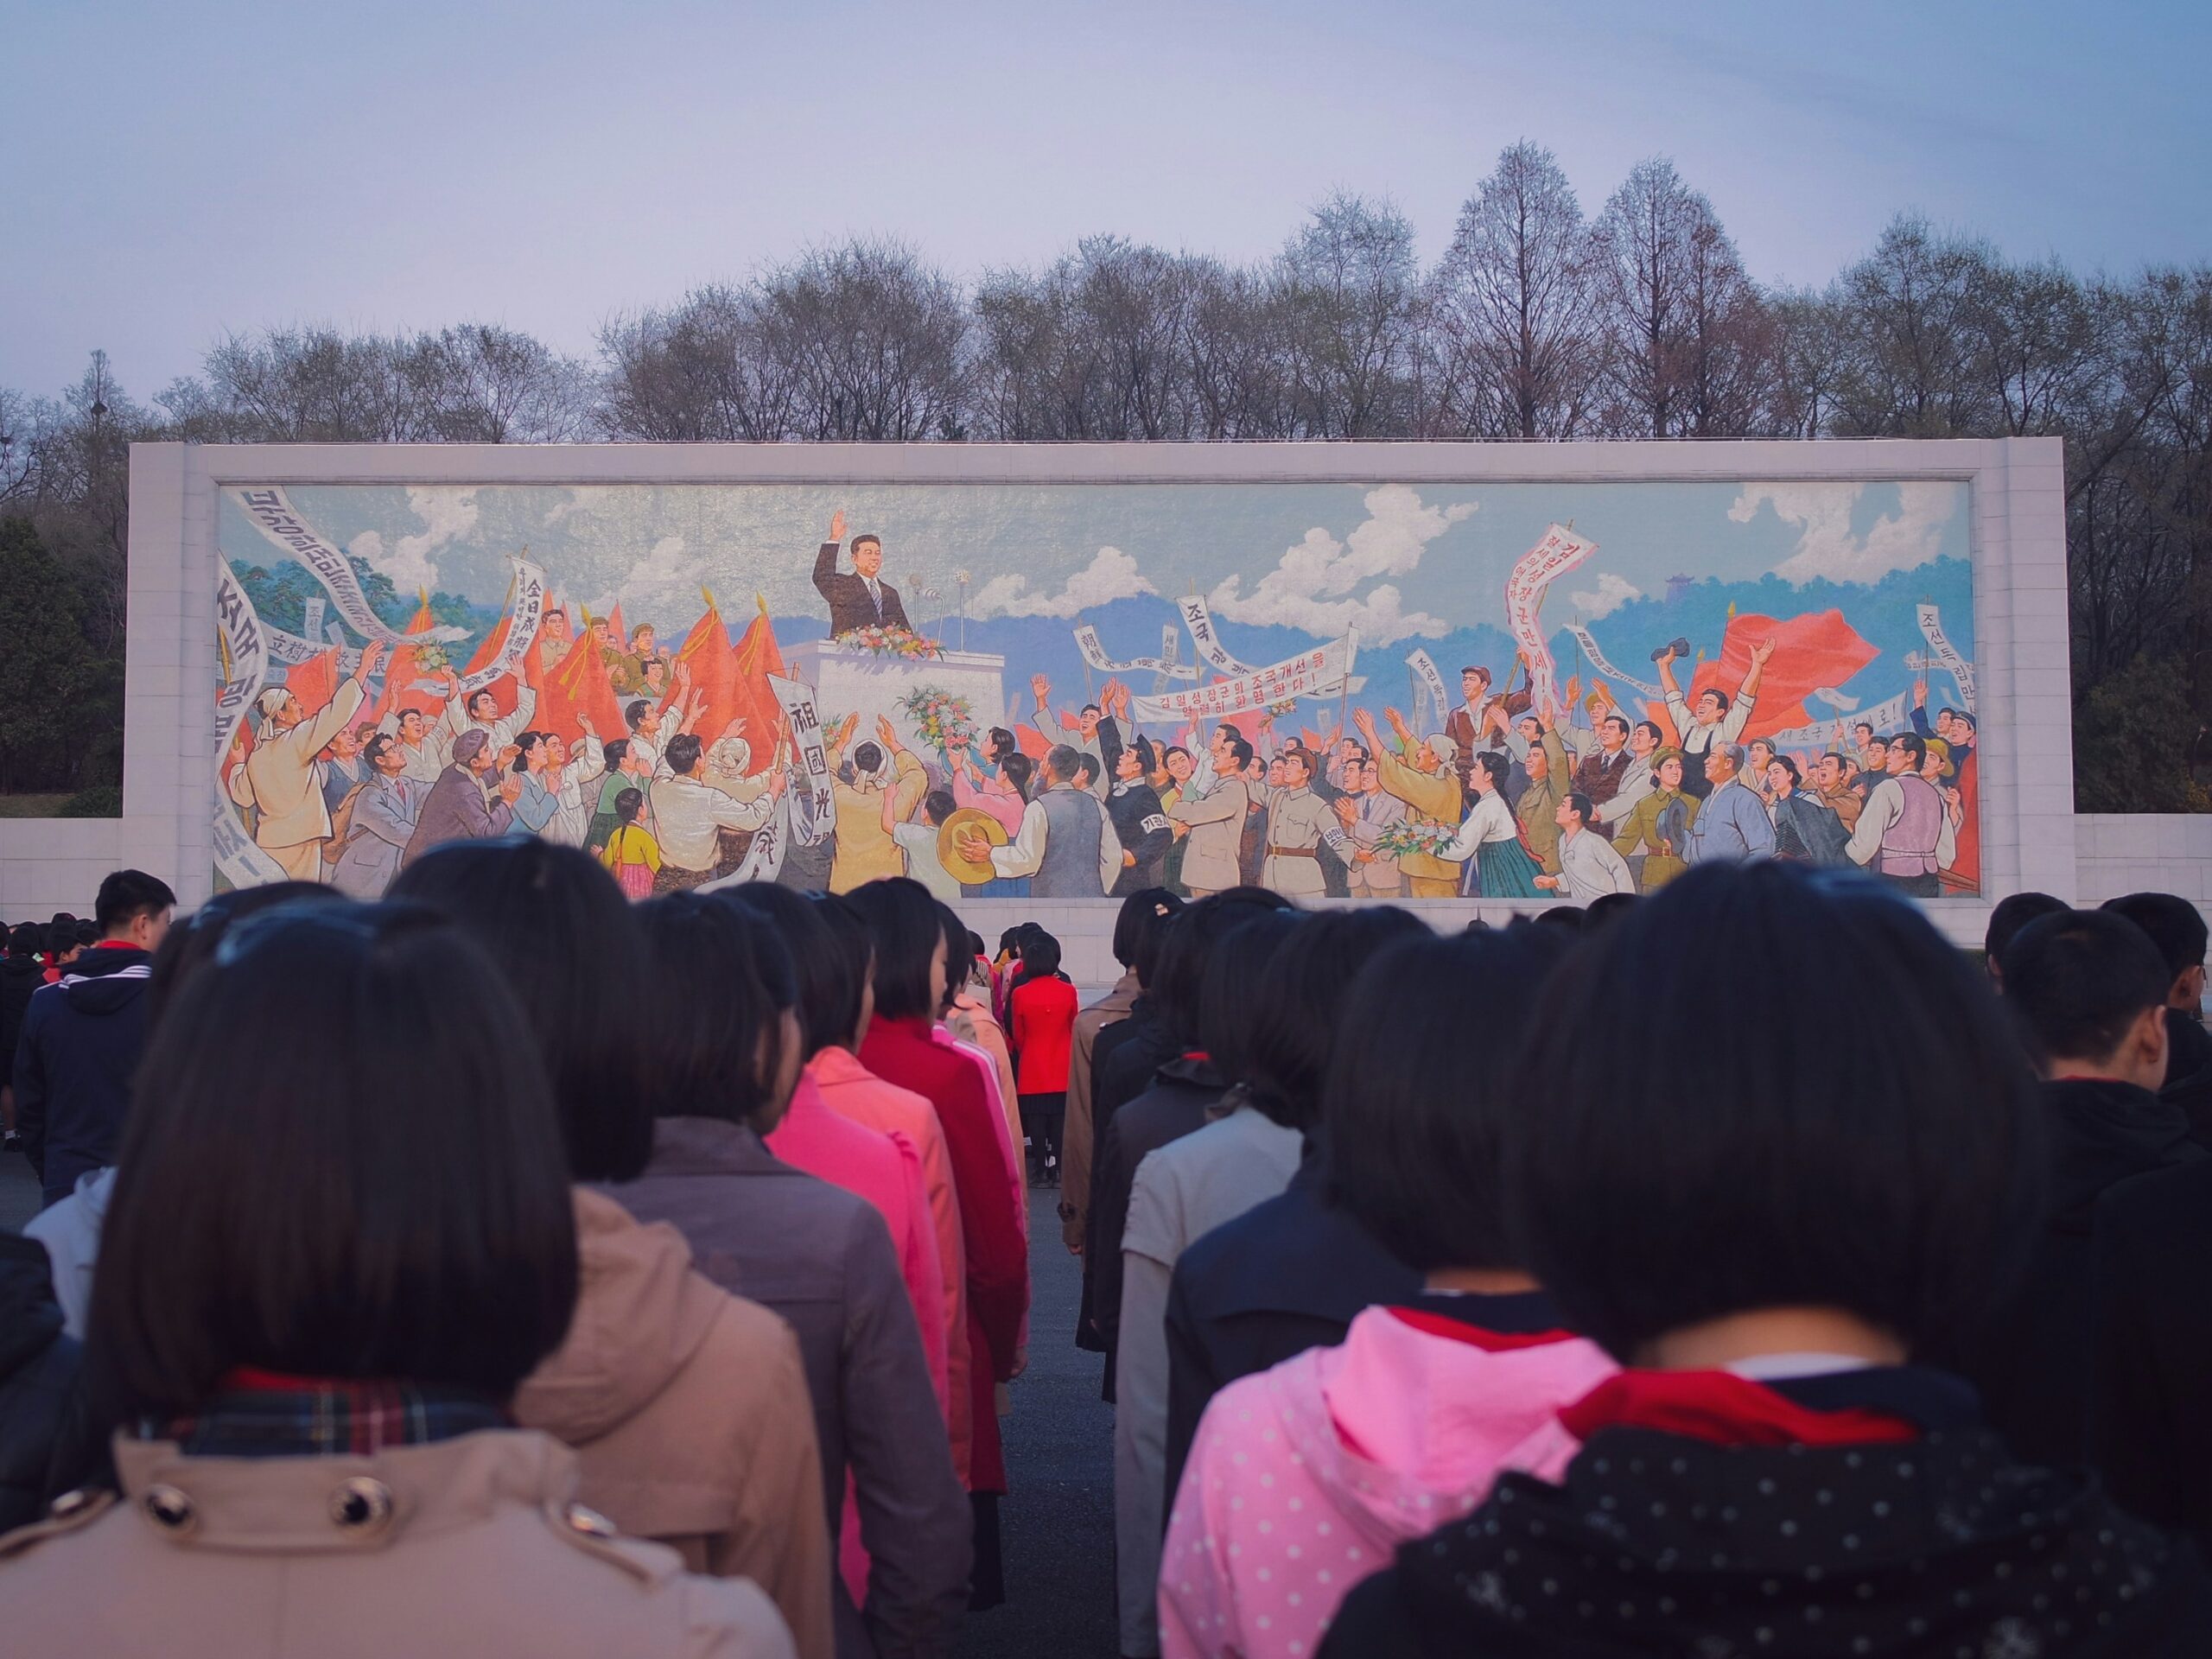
[466, 1548]
[864, 850]
[688, 1406]
[1217, 821]
[279, 779]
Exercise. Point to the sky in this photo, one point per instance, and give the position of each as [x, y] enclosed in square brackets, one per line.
[178, 173]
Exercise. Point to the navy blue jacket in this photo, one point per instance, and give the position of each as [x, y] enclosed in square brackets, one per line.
[74, 1063]
[47, 1444]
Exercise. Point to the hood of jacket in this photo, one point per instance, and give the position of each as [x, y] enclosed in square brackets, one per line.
[22, 973]
[1398, 1414]
[1659, 1543]
[2103, 1131]
[30, 1318]
[641, 1313]
[106, 980]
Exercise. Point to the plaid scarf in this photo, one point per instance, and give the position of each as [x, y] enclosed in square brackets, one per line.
[263, 1414]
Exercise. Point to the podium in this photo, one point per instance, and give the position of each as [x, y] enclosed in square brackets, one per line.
[847, 680]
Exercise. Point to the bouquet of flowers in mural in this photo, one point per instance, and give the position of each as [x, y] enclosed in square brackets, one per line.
[897, 643]
[941, 718]
[1409, 835]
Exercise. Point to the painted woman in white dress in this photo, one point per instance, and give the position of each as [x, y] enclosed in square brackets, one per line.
[1498, 864]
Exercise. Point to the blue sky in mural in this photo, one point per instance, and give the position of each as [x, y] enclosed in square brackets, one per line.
[1282, 565]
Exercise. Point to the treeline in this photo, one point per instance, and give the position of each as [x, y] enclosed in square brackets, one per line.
[1541, 321]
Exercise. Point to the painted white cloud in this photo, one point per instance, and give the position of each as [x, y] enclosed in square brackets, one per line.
[664, 574]
[1313, 585]
[1111, 575]
[447, 514]
[1828, 547]
[1613, 591]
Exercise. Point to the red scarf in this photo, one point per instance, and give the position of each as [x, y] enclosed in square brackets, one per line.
[1723, 1409]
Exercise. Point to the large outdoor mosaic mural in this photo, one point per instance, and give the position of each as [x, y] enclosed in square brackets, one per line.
[1513, 690]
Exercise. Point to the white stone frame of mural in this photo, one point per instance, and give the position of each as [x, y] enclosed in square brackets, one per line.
[2018, 545]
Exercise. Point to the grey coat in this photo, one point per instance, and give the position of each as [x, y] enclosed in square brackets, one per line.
[382, 823]
[821, 1258]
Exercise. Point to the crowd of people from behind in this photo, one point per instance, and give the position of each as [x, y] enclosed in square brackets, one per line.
[649, 1278]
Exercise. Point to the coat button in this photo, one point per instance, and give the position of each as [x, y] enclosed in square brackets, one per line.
[171, 1509]
[590, 1522]
[361, 1504]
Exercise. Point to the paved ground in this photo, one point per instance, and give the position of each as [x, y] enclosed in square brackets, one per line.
[1058, 1521]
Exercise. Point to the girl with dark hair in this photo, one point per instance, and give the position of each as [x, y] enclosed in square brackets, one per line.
[1042, 1008]
[1496, 854]
[728, 1045]
[686, 1405]
[314, 1308]
[1269, 1015]
[911, 953]
[1768, 1246]
[970, 1024]
[1409, 1420]
[631, 852]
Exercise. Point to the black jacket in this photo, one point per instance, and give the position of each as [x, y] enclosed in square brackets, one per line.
[1141, 827]
[1655, 1543]
[1115, 1079]
[19, 977]
[2031, 1363]
[850, 607]
[81, 1044]
[2150, 1361]
[1173, 1107]
[46, 1443]
[2189, 1073]
[1286, 1275]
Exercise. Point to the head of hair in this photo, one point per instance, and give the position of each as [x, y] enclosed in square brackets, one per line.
[1607, 908]
[1583, 810]
[190, 945]
[1493, 766]
[408, 1217]
[938, 805]
[1060, 761]
[1040, 956]
[998, 743]
[634, 712]
[960, 965]
[1718, 696]
[1659, 1185]
[1086, 768]
[828, 993]
[2078, 979]
[616, 750]
[628, 803]
[721, 982]
[2174, 925]
[1567, 920]
[1788, 765]
[373, 750]
[682, 753]
[1294, 1025]
[1240, 751]
[1652, 727]
[1912, 744]
[88, 933]
[902, 922]
[1416, 1134]
[1138, 910]
[28, 938]
[1620, 721]
[124, 896]
[524, 742]
[567, 941]
[1229, 1002]
[1148, 755]
[1019, 769]
[867, 757]
[1186, 944]
[865, 539]
[2012, 913]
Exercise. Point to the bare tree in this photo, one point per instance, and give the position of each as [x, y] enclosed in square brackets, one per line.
[1909, 358]
[1513, 305]
[876, 340]
[1347, 286]
[703, 370]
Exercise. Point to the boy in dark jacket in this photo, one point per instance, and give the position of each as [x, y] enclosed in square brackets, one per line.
[83, 1034]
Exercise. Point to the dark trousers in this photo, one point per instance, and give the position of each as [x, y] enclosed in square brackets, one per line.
[1929, 885]
[1041, 1118]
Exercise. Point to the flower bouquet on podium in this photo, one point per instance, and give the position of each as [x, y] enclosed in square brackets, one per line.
[941, 719]
[899, 644]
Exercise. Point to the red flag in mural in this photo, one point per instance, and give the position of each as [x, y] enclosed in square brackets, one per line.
[402, 673]
[314, 683]
[1816, 649]
[505, 692]
[578, 685]
[711, 664]
[757, 656]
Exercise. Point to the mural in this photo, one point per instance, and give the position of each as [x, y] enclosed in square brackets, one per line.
[1504, 691]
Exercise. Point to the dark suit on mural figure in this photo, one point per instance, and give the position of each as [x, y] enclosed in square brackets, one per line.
[862, 600]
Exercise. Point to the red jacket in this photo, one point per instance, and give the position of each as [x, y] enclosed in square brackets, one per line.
[1042, 1031]
[992, 1227]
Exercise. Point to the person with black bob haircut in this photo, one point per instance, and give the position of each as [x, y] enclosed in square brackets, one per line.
[1769, 1245]
[1269, 1017]
[313, 1309]
[2009, 914]
[1429, 1399]
[1163, 1060]
[676, 1395]
[728, 1047]
[2177, 928]
[2089, 990]
[1136, 929]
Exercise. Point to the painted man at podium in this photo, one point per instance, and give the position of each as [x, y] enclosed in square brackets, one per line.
[861, 600]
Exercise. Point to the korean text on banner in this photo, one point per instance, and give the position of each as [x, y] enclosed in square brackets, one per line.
[1320, 672]
[1960, 671]
[1086, 641]
[1556, 552]
[1216, 655]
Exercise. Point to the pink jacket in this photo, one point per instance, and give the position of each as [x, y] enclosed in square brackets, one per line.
[855, 1093]
[1303, 1480]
